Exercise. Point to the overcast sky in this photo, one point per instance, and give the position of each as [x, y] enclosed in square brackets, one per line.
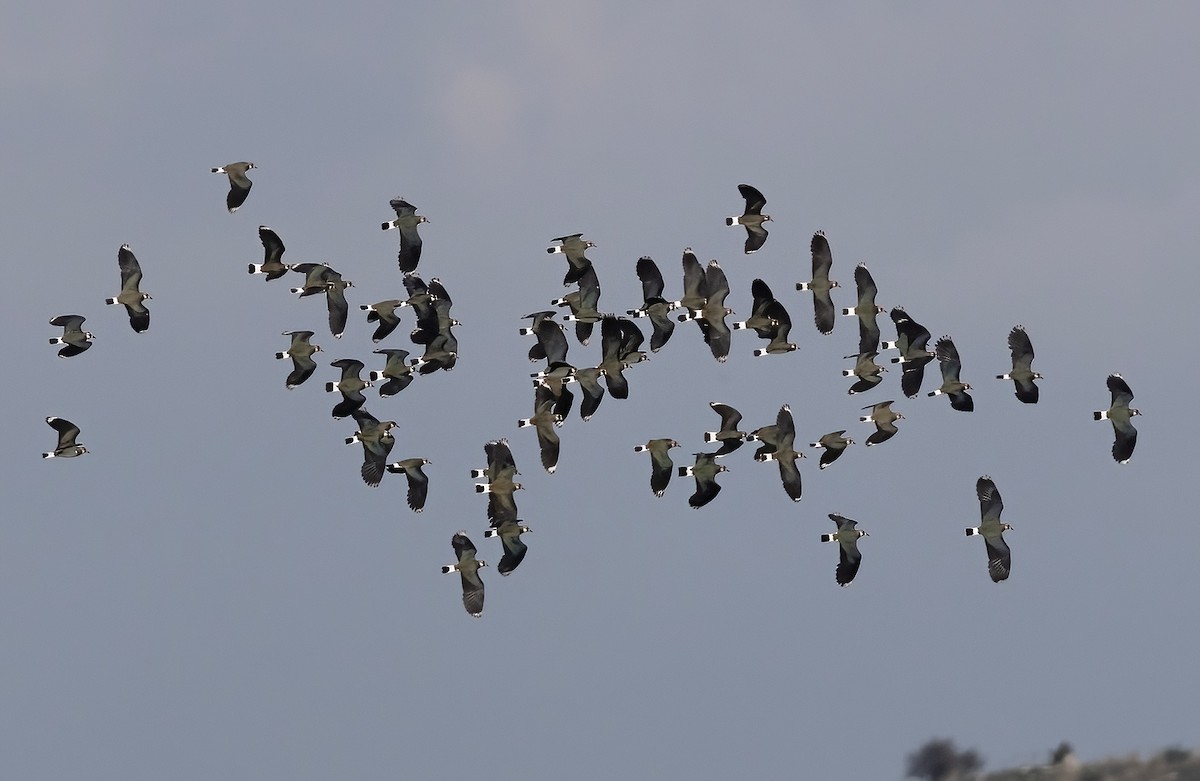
[214, 593]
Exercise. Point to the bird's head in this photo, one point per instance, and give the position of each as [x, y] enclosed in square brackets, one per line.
[1134, 412]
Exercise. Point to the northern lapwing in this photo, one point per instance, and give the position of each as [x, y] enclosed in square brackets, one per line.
[67, 432]
[768, 319]
[499, 473]
[406, 222]
[588, 379]
[620, 347]
[705, 471]
[694, 284]
[544, 421]
[821, 284]
[866, 310]
[384, 313]
[1120, 414]
[573, 247]
[912, 340]
[952, 385]
[654, 306]
[301, 352]
[710, 316]
[661, 465]
[272, 266]
[510, 532]
[418, 482]
[730, 437]
[468, 568]
[239, 184]
[74, 339]
[130, 296]
[834, 443]
[583, 304]
[849, 557]
[320, 278]
[992, 530]
[1022, 373]
[868, 372]
[377, 441]
[752, 218]
[884, 418]
[350, 385]
[397, 373]
[785, 453]
[537, 352]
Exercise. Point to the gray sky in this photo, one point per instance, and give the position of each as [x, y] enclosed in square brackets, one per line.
[213, 592]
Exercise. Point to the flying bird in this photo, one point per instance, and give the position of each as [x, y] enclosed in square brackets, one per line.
[654, 306]
[320, 278]
[350, 385]
[728, 434]
[884, 418]
[849, 557]
[705, 471]
[821, 284]
[583, 304]
[67, 433]
[418, 482]
[377, 441]
[1022, 373]
[301, 352]
[130, 296]
[710, 316]
[752, 218]
[661, 465]
[239, 184]
[768, 319]
[499, 472]
[620, 343]
[868, 372]
[396, 371]
[573, 247]
[537, 352]
[384, 313]
[406, 222]
[866, 309]
[74, 339]
[544, 420]
[1120, 413]
[912, 341]
[835, 443]
[588, 379]
[510, 532]
[952, 386]
[785, 453]
[992, 530]
[272, 266]
[468, 568]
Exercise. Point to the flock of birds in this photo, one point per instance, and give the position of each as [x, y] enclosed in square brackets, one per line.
[703, 301]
